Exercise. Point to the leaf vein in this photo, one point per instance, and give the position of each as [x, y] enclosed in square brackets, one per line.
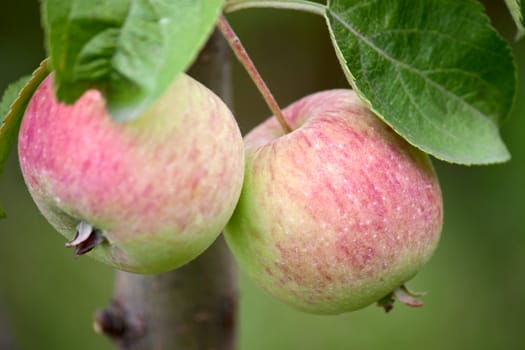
[432, 31]
[407, 67]
[416, 105]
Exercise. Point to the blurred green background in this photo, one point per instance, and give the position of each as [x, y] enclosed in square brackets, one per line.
[476, 280]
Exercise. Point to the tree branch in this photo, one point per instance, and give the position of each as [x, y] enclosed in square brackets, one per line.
[193, 307]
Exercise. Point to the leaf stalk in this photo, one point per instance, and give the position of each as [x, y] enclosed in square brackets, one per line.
[298, 5]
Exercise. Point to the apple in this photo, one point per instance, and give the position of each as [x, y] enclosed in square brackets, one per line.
[337, 214]
[144, 196]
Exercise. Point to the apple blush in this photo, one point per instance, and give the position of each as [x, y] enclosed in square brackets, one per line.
[337, 214]
[144, 196]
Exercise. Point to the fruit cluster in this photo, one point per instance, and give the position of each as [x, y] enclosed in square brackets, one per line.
[329, 218]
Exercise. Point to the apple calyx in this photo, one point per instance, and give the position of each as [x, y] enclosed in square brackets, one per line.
[404, 295]
[86, 238]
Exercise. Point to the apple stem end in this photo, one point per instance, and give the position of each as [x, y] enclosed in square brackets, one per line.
[86, 238]
[404, 295]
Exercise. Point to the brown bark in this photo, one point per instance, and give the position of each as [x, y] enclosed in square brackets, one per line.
[193, 307]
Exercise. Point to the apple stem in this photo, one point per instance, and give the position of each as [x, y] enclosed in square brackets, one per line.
[243, 57]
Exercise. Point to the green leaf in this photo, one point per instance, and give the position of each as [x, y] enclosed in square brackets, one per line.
[434, 70]
[131, 50]
[9, 97]
[517, 10]
[12, 108]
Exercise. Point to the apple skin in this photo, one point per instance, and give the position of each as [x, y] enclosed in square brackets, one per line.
[160, 188]
[338, 213]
